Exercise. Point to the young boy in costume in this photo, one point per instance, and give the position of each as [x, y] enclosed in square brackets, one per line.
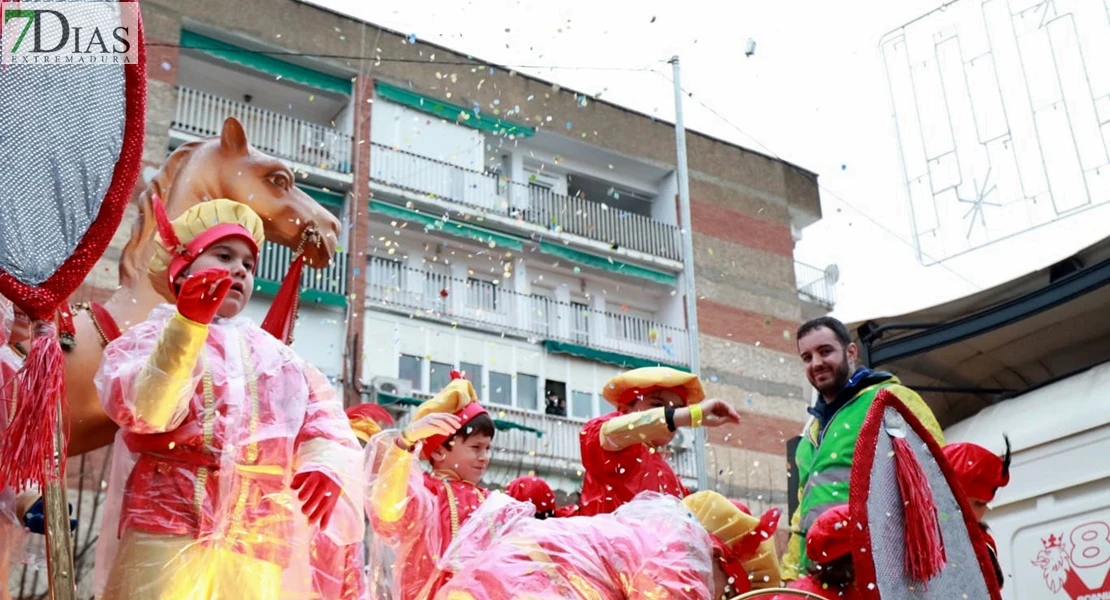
[620, 450]
[981, 473]
[228, 440]
[829, 549]
[654, 547]
[419, 513]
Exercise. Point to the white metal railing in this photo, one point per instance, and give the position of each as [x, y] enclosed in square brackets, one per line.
[274, 261]
[814, 285]
[203, 114]
[558, 448]
[494, 194]
[486, 304]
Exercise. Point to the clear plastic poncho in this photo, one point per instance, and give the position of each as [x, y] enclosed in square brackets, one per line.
[650, 548]
[414, 516]
[214, 424]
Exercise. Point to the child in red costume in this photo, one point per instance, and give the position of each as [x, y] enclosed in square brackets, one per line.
[418, 513]
[530, 488]
[829, 548]
[228, 440]
[620, 450]
[980, 473]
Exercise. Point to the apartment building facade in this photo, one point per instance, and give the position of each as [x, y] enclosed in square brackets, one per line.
[502, 226]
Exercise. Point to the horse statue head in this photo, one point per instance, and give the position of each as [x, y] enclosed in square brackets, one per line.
[217, 167]
[229, 167]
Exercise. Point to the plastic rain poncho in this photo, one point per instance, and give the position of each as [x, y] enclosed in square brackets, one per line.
[214, 423]
[649, 548]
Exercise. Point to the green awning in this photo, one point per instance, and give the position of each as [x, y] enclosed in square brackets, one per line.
[308, 296]
[608, 264]
[457, 228]
[451, 112]
[326, 197]
[616, 359]
[264, 63]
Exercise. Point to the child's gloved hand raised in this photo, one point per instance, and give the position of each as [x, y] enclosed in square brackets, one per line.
[202, 294]
[431, 426]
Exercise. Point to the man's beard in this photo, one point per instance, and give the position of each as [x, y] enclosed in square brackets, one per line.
[843, 374]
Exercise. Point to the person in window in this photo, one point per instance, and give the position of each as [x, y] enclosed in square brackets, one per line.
[620, 450]
[555, 405]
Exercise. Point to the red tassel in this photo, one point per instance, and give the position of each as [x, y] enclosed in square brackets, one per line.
[280, 318]
[925, 556]
[29, 442]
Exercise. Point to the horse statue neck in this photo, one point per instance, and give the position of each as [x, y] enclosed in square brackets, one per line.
[136, 297]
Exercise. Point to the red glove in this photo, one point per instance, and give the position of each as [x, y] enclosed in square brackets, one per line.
[202, 294]
[319, 494]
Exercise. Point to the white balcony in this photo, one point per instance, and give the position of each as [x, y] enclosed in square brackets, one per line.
[488, 306]
[327, 285]
[201, 114]
[814, 284]
[558, 450]
[495, 195]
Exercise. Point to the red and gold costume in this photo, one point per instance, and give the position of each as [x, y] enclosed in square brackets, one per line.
[618, 455]
[981, 473]
[215, 421]
[416, 513]
[654, 547]
[828, 540]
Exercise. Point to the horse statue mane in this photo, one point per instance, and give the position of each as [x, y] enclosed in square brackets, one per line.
[225, 166]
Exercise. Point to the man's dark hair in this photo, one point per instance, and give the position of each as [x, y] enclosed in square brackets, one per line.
[480, 425]
[831, 323]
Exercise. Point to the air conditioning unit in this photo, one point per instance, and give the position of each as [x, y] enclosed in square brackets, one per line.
[392, 386]
[682, 441]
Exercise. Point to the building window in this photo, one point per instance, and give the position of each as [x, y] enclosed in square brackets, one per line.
[440, 376]
[410, 368]
[481, 294]
[500, 388]
[527, 386]
[473, 373]
[580, 323]
[582, 405]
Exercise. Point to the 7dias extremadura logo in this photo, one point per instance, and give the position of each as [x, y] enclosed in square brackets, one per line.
[51, 33]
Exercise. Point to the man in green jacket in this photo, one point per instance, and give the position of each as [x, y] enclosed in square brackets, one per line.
[824, 455]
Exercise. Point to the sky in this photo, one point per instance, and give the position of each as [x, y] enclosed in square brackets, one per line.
[815, 93]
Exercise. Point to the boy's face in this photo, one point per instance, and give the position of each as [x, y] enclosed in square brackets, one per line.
[468, 458]
[655, 399]
[236, 256]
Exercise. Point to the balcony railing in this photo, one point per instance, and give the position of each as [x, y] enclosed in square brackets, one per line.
[274, 261]
[814, 285]
[203, 114]
[485, 304]
[558, 449]
[493, 194]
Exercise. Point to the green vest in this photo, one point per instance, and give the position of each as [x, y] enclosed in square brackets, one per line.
[825, 466]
